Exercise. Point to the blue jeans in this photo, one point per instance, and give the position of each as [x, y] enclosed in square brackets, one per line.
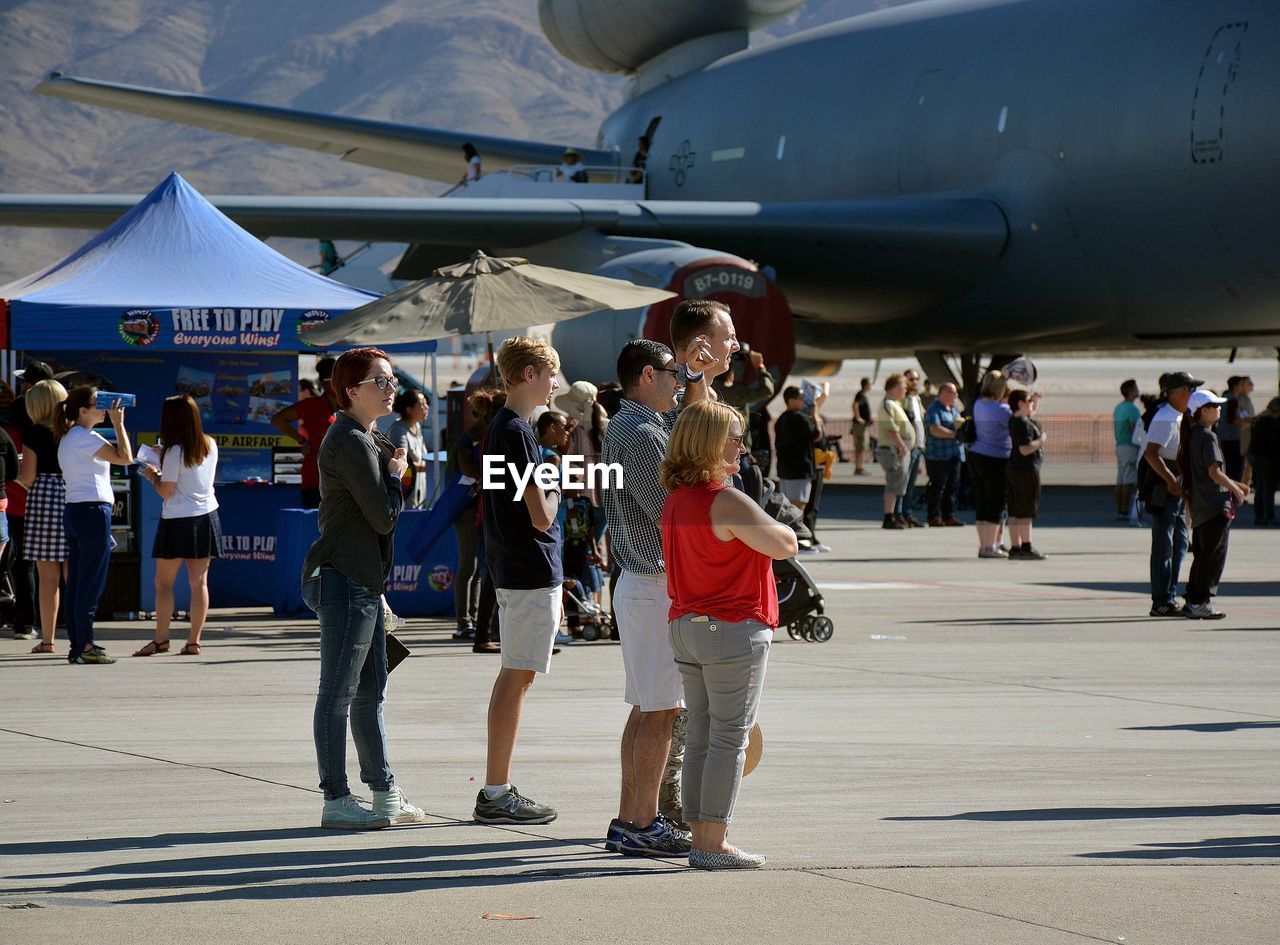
[353, 680]
[88, 527]
[1168, 548]
[906, 501]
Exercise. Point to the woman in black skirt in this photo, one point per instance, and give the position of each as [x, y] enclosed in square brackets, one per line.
[189, 530]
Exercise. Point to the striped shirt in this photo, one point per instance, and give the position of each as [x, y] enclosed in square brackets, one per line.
[637, 441]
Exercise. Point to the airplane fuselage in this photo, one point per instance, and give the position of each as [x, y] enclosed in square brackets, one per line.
[1134, 148]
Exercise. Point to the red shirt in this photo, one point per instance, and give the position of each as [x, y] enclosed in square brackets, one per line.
[722, 579]
[314, 417]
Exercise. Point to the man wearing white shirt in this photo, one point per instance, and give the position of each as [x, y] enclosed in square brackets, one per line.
[1168, 524]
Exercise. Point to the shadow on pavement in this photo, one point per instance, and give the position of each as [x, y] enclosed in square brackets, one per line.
[1107, 813]
[1216, 848]
[1202, 727]
[335, 872]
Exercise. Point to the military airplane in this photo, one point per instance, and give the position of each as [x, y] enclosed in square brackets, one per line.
[947, 177]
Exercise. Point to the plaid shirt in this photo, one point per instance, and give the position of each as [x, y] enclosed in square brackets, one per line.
[936, 447]
[637, 440]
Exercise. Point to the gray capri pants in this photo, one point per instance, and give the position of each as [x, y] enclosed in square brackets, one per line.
[722, 665]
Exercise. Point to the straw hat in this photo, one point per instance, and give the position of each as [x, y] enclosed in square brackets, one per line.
[755, 748]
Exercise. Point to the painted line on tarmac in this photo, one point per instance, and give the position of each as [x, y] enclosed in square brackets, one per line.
[956, 905]
[868, 586]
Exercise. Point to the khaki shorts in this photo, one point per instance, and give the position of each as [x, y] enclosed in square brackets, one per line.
[897, 469]
[641, 604]
[528, 620]
[1126, 464]
[860, 436]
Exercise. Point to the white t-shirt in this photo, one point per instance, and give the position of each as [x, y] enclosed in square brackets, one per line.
[567, 172]
[1166, 430]
[88, 478]
[916, 415]
[473, 168]
[194, 495]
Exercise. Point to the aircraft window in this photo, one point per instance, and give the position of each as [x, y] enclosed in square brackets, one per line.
[1004, 119]
[920, 101]
[782, 145]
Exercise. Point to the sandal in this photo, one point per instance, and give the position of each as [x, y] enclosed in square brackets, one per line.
[42, 648]
[191, 649]
[154, 647]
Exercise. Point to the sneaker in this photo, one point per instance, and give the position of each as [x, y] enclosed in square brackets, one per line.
[893, 523]
[1165, 610]
[992, 553]
[808, 550]
[741, 860]
[25, 633]
[95, 654]
[464, 633]
[511, 808]
[1203, 611]
[613, 836]
[1027, 553]
[935, 522]
[821, 547]
[346, 813]
[1015, 552]
[660, 838]
[563, 639]
[392, 804]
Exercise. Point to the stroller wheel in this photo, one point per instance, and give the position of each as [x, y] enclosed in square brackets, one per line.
[590, 632]
[806, 627]
[821, 629]
[792, 631]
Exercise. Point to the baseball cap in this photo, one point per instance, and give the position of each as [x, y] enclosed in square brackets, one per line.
[1181, 379]
[35, 372]
[1202, 398]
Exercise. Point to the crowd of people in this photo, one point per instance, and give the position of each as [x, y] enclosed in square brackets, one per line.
[691, 555]
[55, 519]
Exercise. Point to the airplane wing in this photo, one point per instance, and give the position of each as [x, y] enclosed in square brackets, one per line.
[423, 152]
[911, 236]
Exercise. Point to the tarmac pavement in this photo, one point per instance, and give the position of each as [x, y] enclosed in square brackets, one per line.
[1028, 758]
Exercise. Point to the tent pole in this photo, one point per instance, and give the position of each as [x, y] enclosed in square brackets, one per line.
[435, 424]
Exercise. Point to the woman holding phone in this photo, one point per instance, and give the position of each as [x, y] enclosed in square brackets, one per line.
[343, 580]
[86, 459]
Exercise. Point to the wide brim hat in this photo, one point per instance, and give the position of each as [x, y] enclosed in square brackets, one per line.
[577, 401]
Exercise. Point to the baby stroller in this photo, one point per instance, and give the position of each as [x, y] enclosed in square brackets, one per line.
[800, 602]
[596, 621]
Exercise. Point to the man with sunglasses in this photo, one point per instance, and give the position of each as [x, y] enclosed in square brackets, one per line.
[653, 387]
[1164, 499]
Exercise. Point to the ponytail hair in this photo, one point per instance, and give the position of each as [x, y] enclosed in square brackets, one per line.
[68, 412]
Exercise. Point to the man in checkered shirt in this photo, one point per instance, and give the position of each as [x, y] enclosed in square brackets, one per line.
[652, 379]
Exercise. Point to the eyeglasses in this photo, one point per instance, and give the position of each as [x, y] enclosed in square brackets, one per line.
[735, 438]
[674, 372]
[382, 380]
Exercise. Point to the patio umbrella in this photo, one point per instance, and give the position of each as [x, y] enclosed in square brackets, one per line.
[485, 294]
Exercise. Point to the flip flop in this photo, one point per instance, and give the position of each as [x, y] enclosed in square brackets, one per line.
[153, 647]
[42, 648]
[191, 649]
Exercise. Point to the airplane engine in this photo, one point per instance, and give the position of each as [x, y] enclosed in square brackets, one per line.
[589, 346]
[610, 36]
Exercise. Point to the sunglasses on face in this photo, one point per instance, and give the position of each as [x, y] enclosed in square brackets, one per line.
[383, 381]
[674, 372]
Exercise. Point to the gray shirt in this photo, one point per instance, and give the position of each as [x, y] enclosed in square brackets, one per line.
[359, 505]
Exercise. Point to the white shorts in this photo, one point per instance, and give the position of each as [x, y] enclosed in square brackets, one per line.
[797, 490]
[528, 620]
[641, 604]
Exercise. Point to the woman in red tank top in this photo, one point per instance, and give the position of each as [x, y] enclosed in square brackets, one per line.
[719, 547]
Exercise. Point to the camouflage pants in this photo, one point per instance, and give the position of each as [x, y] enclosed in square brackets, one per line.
[669, 793]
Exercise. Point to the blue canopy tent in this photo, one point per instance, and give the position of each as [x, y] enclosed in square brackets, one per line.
[175, 297]
[174, 274]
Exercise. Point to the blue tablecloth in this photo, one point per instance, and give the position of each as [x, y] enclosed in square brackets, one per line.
[420, 586]
[245, 575]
